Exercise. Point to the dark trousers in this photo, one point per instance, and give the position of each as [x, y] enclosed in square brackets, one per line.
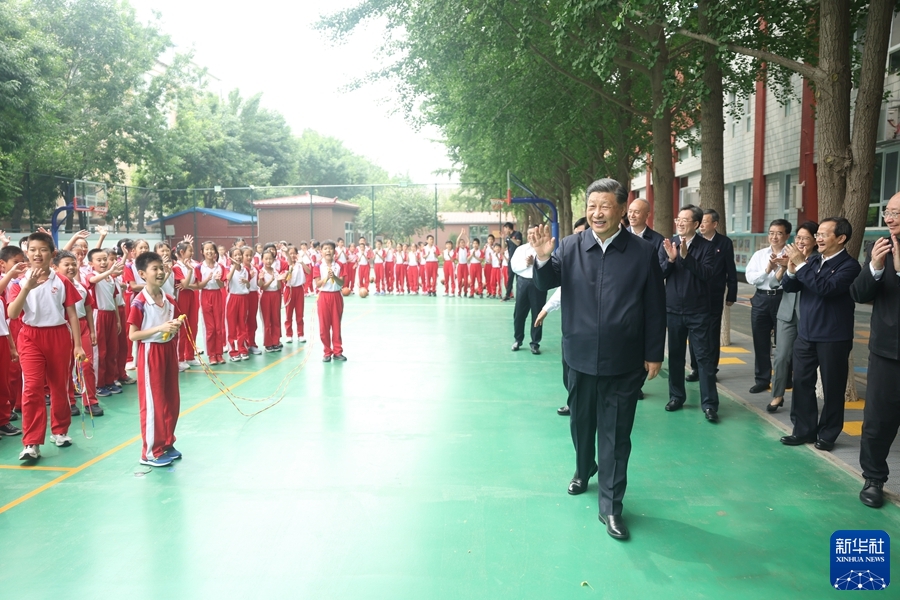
[763, 315]
[696, 328]
[715, 337]
[832, 358]
[881, 416]
[510, 280]
[528, 299]
[602, 413]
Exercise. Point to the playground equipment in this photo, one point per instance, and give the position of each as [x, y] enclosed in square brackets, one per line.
[87, 196]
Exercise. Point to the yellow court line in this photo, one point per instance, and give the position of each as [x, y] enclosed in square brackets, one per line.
[24, 468]
[109, 453]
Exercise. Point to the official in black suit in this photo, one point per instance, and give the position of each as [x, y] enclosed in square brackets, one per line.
[613, 325]
[513, 240]
[529, 299]
[824, 335]
[638, 213]
[687, 263]
[879, 283]
[722, 284]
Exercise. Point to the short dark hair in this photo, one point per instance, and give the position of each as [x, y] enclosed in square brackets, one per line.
[92, 253]
[517, 235]
[712, 213]
[210, 243]
[842, 227]
[811, 226]
[696, 212]
[476, 241]
[327, 243]
[782, 223]
[509, 225]
[144, 260]
[608, 186]
[40, 236]
[10, 252]
[580, 222]
[59, 256]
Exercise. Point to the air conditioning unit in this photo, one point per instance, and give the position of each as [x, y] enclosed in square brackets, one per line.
[797, 195]
[689, 195]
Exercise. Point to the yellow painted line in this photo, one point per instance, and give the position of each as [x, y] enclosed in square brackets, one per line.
[858, 405]
[199, 371]
[734, 350]
[731, 360]
[25, 468]
[863, 334]
[125, 444]
[853, 427]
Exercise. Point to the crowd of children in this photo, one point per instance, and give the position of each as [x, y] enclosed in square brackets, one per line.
[79, 319]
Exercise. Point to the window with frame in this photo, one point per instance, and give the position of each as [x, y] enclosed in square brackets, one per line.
[349, 232]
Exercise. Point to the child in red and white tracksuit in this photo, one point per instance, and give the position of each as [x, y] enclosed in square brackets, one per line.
[378, 256]
[400, 269]
[186, 296]
[412, 270]
[12, 265]
[209, 277]
[270, 282]
[330, 305]
[153, 323]
[475, 261]
[252, 301]
[364, 256]
[462, 266]
[8, 357]
[50, 337]
[101, 282]
[449, 256]
[389, 266]
[430, 255]
[294, 306]
[236, 306]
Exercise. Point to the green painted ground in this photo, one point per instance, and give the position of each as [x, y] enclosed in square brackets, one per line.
[431, 465]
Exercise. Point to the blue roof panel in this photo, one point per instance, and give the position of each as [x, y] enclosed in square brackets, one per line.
[229, 215]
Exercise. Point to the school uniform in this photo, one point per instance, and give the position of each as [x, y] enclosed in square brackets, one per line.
[236, 307]
[270, 306]
[412, 272]
[15, 369]
[488, 269]
[350, 268]
[130, 276]
[462, 270]
[401, 271]
[124, 343]
[449, 274]
[475, 286]
[213, 307]
[105, 353]
[6, 398]
[45, 353]
[494, 285]
[293, 300]
[431, 268]
[330, 308]
[157, 372]
[89, 393]
[388, 270]
[253, 307]
[365, 255]
[378, 263]
[189, 305]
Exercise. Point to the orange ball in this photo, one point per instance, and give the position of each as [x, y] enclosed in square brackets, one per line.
[372, 279]
[363, 292]
[345, 291]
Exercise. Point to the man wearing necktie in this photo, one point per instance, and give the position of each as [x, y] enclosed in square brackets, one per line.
[824, 335]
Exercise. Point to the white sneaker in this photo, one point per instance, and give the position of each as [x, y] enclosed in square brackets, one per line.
[30, 453]
[183, 366]
[235, 358]
[255, 350]
[130, 366]
[289, 341]
[62, 440]
[301, 340]
[193, 362]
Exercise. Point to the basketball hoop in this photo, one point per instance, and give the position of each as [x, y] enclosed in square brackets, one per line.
[90, 197]
[497, 204]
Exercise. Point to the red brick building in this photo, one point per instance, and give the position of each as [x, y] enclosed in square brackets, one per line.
[223, 227]
[474, 224]
[298, 218]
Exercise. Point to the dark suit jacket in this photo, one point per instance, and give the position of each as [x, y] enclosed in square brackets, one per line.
[651, 236]
[687, 279]
[724, 272]
[613, 303]
[884, 336]
[826, 307]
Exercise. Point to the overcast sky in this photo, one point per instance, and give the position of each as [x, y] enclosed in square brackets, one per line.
[270, 46]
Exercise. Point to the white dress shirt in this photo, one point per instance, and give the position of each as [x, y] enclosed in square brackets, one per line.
[756, 270]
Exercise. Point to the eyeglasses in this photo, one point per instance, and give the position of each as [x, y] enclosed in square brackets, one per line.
[890, 214]
[821, 236]
[803, 238]
[683, 221]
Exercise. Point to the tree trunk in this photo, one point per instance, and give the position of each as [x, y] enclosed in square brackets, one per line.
[712, 127]
[663, 167]
[833, 106]
[866, 116]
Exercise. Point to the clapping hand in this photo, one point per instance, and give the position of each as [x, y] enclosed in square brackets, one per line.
[30, 280]
[883, 247]
[542, 241]
[793, 254]
[671, 249]
[4, 239]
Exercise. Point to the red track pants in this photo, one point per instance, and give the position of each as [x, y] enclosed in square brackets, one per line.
[431, 269]
[213, 319]
[236, 323]
[89, 395]
[158, 395]
[330, 307]
[379, 278]
[475, 279]
[253, 316]
[388, 276]
[189, 305]
[270, 305]
[106, 351]
[462, 278]
[401, 277]
[412, 278]
[488, 274]
[124, 348]
[293, 310]
[449, 278]
[364, 276]
[46, 357]
[6, 399]
[15, 369]
[351, 276]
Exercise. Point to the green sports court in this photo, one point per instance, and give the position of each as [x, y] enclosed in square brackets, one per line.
[431, 465]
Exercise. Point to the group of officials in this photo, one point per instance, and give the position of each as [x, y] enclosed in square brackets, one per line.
[622, 288]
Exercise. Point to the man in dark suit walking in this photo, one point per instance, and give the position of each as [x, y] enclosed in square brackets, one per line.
[879, 283]
[687, 262]
[825, 333]
[724, 280]
[613, 325]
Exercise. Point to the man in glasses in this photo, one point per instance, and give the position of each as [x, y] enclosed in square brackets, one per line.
[879, 283]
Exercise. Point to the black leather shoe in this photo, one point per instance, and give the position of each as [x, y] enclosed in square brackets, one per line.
[516, 346]
[674, 405]
[692, 376]
[711, 415]
[615, 526]
[872, 493]
[824, 445]
[326, 359]
[773, 407]
[759, 387]
[793, 440]
[579, 486]
[340, 357]
[535, 349]
[563, 411]
[641, 395]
